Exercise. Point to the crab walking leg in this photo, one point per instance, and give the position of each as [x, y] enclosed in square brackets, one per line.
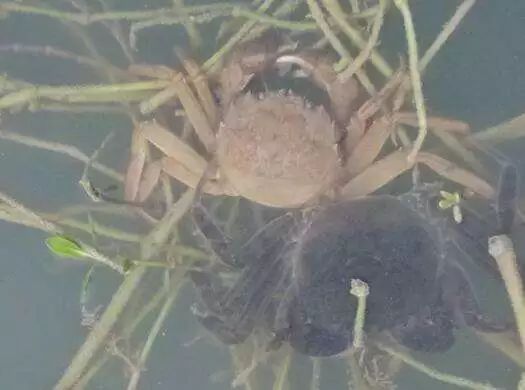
[181, 161]
[385, 170]
[368, 147]
[179, 87]
[172, 146]
[377, 175]
[450, 132]
[356, 128]
[195, 114]
[135, 166]
[456, 174]
[433, 122]
[198, 79]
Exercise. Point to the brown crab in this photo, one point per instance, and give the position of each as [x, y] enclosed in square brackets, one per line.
[276, 148]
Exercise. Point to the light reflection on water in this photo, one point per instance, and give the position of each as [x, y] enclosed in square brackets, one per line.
[478, 77]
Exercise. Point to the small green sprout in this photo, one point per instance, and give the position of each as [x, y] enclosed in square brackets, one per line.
[65, 247]
[451, 200]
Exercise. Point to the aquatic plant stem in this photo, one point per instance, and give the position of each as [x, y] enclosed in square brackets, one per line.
[415, 77]
[151, 245]
[506, 344]
[281, 377]
[128, 330]
[68, 150]
[505, 131]
[87, 18]
[102, 328]
[84, 93]
[356, 380]
[338, 14]
[315, 382]
[53, 52]
[174, 288]
[359, 289]
[366, 51]
[502, 250]
[210, 64]
[337, 45]
[13, 211]
[440, 376]
[445, 33]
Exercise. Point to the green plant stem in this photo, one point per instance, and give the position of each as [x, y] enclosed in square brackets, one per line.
[128, 330]
[338, 46]
[359, 289]
[86, 18]
[195, 37]
[440, 376]
[505, 131]
[155, 329]
[366, 51]
[235, 11]
[415, 77]
[54, 52]
[338, 14]
[56, 147]
[502, 250]
[317, 14]
[356, 381]
[150, 247]
[274, 21]
[212, 62]
[445, 33]
[281, 376]
[97, 336]
[81, 93]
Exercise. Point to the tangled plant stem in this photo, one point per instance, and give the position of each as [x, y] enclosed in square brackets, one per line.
[415, 77]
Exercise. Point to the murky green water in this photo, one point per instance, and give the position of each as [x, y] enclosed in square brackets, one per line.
[479, 77]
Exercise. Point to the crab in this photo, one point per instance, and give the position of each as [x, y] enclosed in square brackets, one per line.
[295, 280]
[275, 148]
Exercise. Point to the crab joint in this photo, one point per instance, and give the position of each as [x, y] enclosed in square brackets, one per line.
[502, 250]
[360, 290]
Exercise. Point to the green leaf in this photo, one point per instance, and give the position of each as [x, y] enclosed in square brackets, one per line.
[65, 247]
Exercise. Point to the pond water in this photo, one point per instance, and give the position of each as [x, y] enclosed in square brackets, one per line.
[478, 77]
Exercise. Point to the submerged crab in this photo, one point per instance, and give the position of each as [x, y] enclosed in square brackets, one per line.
[276, 148]
[296, 279]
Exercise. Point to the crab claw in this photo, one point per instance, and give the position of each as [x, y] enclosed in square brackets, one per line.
[250, 58]
[320, 69]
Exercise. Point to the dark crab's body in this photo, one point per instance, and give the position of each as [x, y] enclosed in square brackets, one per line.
[297, 278]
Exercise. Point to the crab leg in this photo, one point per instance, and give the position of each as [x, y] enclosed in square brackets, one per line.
[368, 148]
[195, 114]
[181, 161]
[385, 170]
[203, 90]
[377, 175]
[179, 87]
[371, 143]
[437, 122]
[135, 165]
[456, 174]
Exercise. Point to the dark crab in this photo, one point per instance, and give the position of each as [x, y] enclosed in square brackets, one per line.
[296, 277]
